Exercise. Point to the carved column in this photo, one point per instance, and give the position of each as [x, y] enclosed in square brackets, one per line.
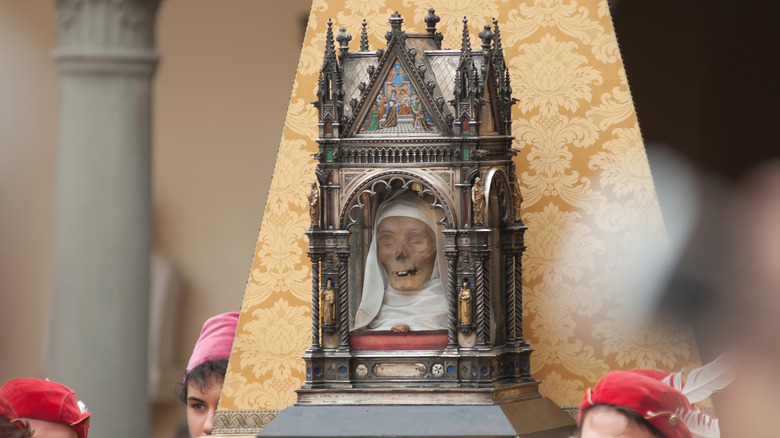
[343, 295]
[315, 301]
[518, 302]
[452, 300]
[97, 334]
[486, 320]
[483, 306]
[511, 297]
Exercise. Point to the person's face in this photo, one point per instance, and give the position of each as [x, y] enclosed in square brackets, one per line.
[50, 429]
[407, 249]
[609, 423]
[201, 406]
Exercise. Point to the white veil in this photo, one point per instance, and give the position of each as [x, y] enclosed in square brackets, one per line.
[381, 306]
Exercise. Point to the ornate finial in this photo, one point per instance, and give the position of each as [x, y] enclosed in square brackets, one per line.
[431, 19]
[465, 48]
[498, 51]
[486, 36]
[364, 38]
[497, 34]
[465, 42]
[343, 38]
[395, 22]
[330, 50]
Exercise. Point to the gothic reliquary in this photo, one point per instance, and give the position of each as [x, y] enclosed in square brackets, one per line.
[416, 238]
[413, 131]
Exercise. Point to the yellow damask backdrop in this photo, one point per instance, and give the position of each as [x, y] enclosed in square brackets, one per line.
[589, 201]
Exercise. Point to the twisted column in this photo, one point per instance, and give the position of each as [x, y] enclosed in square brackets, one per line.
[482, 314]
[488, 300]
[452, 300]
[343, 301]
[315, 301]
[511, 309]
[518, 302]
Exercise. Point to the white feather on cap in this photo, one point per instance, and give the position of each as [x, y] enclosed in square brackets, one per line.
[701, 383]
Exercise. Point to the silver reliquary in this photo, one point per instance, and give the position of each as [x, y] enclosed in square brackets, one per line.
[416, 246]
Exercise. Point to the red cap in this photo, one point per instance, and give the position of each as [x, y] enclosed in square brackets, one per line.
[216, 339]
[642, 391]
[45, 400]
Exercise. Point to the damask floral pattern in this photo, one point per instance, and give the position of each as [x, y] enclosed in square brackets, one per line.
[588, 191]
[648, 345]
[563, 246]
[281, 332]
[548, 138]
[553, 75]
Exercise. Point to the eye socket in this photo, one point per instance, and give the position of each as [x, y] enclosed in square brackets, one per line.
[417, 243]
[387, 242]
[417, 239]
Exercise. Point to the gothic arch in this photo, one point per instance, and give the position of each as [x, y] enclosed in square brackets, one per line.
[497, 191]
[367, 195]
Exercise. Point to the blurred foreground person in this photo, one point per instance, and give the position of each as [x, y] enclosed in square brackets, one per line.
[202, 382]
[725, 286]
[47, 409]
[744, 308]
[639, 404]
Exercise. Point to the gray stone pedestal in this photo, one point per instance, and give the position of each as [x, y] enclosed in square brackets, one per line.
[535, 418]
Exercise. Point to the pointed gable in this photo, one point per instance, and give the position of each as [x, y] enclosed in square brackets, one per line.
[397, 107]
[413, 86]
[400, 96]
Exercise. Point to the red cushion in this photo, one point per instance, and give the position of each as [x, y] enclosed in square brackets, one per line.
[388, 340]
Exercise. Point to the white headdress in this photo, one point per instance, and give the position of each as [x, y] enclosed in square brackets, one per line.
[375, 281]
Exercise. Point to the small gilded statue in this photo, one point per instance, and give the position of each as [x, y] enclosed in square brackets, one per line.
[328, 304]
[517, 201]
[464, 304]
[478, 200]
[314, 205]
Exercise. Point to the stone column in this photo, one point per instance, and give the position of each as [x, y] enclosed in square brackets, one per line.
[98, 316]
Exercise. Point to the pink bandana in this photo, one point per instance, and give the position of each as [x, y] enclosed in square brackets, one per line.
[216, 339]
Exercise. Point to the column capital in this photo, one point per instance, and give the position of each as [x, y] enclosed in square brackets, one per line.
[107, 37]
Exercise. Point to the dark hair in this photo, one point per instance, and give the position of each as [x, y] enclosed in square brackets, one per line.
[631, 415]
[201, 376]
[10, 430]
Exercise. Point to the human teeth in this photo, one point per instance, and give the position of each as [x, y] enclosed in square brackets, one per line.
[405, 273]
